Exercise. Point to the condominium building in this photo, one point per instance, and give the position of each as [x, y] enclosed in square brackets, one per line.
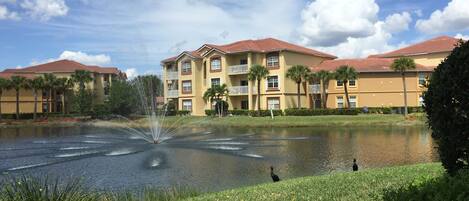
[102, 80]
[188, 75]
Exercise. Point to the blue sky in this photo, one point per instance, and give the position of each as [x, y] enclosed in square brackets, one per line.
[136, 35]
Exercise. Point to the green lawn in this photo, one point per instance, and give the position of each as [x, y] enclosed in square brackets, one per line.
[298, 121]
[363, 185]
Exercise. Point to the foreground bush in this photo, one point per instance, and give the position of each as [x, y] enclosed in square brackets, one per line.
[447, 108]
[315, 112]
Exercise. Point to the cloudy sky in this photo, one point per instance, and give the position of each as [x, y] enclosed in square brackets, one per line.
[136, 35]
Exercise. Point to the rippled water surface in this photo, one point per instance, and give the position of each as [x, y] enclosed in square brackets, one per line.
[207, 159]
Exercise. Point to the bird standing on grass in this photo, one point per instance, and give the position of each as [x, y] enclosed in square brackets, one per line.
[355, 166]
[275, 178]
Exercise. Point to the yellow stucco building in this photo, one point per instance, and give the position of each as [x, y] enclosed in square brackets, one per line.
[102, 79]
[188, 75]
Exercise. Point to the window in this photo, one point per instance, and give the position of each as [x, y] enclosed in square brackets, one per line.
[340, 83]
[186, 67]
[272, 60]
[243, 61]
[187, 105]
[272, 82]
[422, 79]
[340, 101]
[215, 82]
[244, 104]
[215, 64]
[186, 87]
[244, 83]
[273, 103]
[352, 83]
[353, 101]
[421, 103]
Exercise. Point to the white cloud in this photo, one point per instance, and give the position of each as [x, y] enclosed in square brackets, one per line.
[350, 28]
[455, 16]
[330, 22]
[6, 14]
[131, 73]
[396, 23]
[81, 57]
[45, 9]
[461, 36]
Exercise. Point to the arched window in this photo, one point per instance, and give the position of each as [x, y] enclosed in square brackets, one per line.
[215, 63]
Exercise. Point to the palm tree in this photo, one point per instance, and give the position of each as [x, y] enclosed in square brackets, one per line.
[258, 72]
[324, 77]
[346, 73]
[82, 77]
[63, 85]
[210, 94]
[35, 84]
[17, 82]
[50, 81]
[216, 93]
[4, 85]
[298, 74]
[401, 65]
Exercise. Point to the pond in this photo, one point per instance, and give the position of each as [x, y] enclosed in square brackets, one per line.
[206, 159]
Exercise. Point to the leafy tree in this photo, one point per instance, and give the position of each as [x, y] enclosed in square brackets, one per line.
[257, 73]
[324, 77]
[35, 84]
[149, 87]
[447, 108]
[50, 81]
[82, 99]
[346, 73]
[4, 85]
[216, 93]
[63, 86]
[298, 74]
[402, 65]
[122, 98]
[17, 82]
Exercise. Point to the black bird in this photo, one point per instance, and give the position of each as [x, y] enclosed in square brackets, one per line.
[355, 166]
[275, 178]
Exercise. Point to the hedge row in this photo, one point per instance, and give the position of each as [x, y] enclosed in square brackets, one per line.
[390, 110]
[316, 112]
[39, 115]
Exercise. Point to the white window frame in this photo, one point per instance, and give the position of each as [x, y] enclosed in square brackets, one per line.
[186, 67]
[421, 101]
[423, 78]
[278, 82]
[216, 65]
[275, 105]
[273, 61]
[341, 98]
[353, 101]
[184, 88]
[354, 83]
[184, 106]
[337, 83]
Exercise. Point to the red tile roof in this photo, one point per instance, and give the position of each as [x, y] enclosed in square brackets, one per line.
[8, 75]
[435, 45]
[364, 65]
[63, 66]
[261, 46]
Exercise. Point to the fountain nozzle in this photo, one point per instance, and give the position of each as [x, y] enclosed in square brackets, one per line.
[156, 141]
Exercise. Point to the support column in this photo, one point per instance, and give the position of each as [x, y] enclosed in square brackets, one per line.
[250, 85]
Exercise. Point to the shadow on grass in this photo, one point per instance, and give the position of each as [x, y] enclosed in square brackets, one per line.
[444, 188]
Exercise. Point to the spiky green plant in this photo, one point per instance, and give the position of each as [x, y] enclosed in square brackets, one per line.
[402, 65]
[298, 74]
[257, 73]
[346, 73]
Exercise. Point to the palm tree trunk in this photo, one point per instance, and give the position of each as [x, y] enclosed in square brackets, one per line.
[17, 104]
[298, 94]
[35, 104]
[346, 95]
[1, 94]
[63, 103]
[405, 94]
[258, 97]
[323, 93]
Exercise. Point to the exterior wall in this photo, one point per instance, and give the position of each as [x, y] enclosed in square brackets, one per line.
[433, 59]
[379, 90]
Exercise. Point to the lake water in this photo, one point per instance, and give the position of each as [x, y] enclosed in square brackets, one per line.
[206, 159]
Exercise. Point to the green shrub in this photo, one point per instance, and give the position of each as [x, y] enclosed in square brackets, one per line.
[315, 112]
[183, 112]
[447, 108]
[265, 113]
[210, 112]
[442, 188]
[239, 112]
[100, 111]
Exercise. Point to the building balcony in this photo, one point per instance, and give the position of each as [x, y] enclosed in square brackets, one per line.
[238, 69]
[171, 75]
[173, 93]
[315, 88]
[238, 90]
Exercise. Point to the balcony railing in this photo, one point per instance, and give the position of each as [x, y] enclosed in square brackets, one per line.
[315, 88]
[238, 90]
[238, 69]
[173, 93]
[172, 75]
